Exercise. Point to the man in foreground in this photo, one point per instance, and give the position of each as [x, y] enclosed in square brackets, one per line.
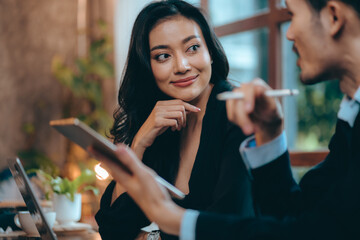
[326, 203]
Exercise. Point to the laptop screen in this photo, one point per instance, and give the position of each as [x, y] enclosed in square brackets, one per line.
[36, 212]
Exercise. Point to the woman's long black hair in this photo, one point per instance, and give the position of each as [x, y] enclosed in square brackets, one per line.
[139, 93]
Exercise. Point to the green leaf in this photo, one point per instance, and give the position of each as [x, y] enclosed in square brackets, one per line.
[95, 190]
[103, 69]
[87, 177]
[28, 128]
[83, 65]
[85, 80]
[70, 196]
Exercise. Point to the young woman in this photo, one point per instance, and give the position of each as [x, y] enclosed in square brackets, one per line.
[169, 115]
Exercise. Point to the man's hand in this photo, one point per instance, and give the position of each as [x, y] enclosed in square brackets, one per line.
[141, 185]
[256, 113]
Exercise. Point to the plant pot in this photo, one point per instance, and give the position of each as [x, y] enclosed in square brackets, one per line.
[67, 211]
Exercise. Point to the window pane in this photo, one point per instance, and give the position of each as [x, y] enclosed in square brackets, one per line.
[310, 118]
[226, 11]
[247, 53]
[282, 4]
[196, 3]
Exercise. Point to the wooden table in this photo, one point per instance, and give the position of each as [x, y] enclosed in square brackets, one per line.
[84, 235]
[90, 235]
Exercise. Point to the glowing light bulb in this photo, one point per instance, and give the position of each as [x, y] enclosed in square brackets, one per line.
[101, 173]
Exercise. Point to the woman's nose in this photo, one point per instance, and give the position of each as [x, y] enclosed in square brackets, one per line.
[182, 65]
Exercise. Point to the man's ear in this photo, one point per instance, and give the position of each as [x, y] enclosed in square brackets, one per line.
[337, 17]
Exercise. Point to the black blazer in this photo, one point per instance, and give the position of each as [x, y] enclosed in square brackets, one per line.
[325, 205]
[219, 181]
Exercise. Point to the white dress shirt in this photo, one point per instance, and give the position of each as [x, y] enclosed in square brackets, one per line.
[349, 108]
[255, 157]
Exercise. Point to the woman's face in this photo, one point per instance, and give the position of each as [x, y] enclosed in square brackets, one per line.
[180, 59]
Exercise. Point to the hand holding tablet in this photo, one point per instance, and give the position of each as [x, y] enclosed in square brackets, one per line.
[85, 137]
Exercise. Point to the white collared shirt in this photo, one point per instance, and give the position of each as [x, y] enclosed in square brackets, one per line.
[349, 108]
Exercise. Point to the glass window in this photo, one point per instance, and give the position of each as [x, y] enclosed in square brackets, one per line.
[226, 11]
[196, 3]
[310, 118]
[290, 75]
[247, 53]
[282, 4]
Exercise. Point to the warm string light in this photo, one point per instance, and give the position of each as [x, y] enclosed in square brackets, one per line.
[101, 173]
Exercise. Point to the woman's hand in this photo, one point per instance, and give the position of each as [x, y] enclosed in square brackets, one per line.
[141, 185]
[256, 113]
[165, 114]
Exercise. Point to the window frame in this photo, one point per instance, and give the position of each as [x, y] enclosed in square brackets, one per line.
[271, 19]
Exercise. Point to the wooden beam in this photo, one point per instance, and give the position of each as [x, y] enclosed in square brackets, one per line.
[204, 5]
[274, 47]
[307, 158]
[257, 21]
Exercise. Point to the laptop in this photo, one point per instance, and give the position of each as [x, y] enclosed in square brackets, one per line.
[32, 203]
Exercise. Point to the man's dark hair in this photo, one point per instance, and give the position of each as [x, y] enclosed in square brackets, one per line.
[320, 4]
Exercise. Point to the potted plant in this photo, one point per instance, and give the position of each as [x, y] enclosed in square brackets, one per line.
[66, 194]
[85, 80]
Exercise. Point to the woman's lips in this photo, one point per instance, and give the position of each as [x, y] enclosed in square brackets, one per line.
[185, 81]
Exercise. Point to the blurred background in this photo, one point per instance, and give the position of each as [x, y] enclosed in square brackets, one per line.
[64, 59]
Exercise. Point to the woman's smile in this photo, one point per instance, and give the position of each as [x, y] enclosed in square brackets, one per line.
[180, 59]
[184, 82]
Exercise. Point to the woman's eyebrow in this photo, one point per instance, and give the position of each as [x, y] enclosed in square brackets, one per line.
[159, 47]
[189, 38]
[166, 46]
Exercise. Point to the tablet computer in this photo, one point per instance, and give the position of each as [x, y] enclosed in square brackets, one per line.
[84, 136]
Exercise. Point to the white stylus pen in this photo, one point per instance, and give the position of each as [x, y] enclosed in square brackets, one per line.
[270, 93]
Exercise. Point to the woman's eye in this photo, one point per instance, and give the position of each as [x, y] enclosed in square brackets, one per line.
[193, 48]
[162, 57]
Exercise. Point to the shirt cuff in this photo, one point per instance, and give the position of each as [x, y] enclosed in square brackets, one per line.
[188, 225]
[152, 227]
[255, 157]
[349, 109]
